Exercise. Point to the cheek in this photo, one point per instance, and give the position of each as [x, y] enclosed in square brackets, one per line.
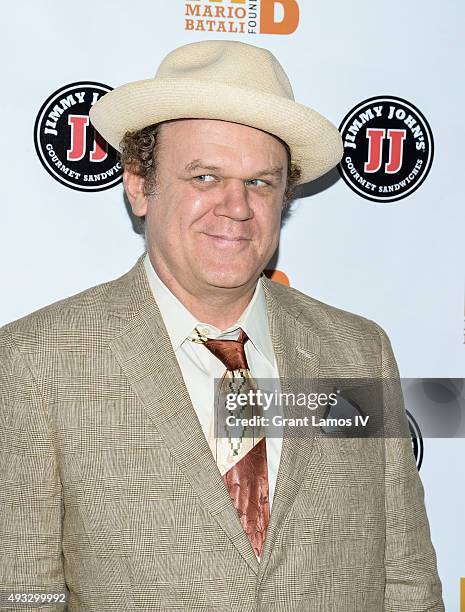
[268, 218]
[173, 212]
[181, 205]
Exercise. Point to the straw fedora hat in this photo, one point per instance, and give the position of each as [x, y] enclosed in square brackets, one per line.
[229, 81]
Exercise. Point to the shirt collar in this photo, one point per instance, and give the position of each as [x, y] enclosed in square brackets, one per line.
[180, 322]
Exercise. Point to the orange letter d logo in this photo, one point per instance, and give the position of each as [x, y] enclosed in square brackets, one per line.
[287, 25]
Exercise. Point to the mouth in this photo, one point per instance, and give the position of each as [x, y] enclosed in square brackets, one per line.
[221, 240]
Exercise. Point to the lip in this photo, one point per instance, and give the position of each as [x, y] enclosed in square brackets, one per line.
[223, 240]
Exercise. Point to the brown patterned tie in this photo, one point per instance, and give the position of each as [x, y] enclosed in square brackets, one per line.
[247, 479]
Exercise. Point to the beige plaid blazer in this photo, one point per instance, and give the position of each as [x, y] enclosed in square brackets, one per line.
[108, 487]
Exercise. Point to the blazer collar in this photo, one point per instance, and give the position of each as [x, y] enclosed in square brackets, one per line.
[297, 350]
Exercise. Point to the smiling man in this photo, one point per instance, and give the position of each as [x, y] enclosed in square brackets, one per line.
[213, 221]
[114, 483]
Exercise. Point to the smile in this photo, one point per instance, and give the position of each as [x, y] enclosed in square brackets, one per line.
[221, 240]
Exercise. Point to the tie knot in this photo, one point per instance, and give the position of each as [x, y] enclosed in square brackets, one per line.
[230, 352]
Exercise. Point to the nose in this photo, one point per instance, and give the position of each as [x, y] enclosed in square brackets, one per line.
[234, 202]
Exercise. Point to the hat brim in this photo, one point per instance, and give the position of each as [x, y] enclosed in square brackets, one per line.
[315, 143]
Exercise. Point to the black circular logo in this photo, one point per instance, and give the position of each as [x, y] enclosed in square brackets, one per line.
[388, 148]
[68, 146]
[417, 440]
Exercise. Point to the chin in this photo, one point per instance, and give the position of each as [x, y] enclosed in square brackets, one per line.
[227, 279]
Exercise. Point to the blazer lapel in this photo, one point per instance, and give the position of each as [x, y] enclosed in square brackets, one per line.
[297, 351]
[144, 352]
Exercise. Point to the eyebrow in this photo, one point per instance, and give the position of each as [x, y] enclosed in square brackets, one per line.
[196, 164]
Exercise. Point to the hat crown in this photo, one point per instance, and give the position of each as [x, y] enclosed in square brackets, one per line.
[223, 81]
[230, 62]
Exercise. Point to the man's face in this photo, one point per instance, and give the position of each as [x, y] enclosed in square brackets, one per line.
[214, 220]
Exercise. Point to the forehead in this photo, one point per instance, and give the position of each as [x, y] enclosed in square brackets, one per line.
[221, 141]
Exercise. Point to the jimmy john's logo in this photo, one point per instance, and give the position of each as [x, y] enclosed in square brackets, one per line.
[388, 149]
[68, 146]
[242, 16]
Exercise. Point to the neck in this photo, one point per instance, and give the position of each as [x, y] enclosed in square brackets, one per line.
[220, 307]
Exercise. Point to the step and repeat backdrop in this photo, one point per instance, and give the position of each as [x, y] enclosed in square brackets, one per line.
[381, 236]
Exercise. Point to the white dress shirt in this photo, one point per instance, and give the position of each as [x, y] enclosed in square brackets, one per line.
[200, 367]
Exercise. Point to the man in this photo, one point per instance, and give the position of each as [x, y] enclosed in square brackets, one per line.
[114, 484]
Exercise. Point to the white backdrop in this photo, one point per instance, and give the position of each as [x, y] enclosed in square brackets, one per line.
[403, 262]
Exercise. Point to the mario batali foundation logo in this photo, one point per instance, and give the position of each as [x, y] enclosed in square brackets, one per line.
[242, 16]
[68, 146]
[388, 148]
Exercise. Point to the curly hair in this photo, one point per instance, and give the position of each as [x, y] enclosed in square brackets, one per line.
[139, 155]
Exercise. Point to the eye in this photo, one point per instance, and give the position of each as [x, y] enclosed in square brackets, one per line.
[256, 182]
[205, 178]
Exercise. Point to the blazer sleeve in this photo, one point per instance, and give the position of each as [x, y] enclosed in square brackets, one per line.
[30, 487]
[412, 581]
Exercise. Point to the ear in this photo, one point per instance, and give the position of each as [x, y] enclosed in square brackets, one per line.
[134, 188]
